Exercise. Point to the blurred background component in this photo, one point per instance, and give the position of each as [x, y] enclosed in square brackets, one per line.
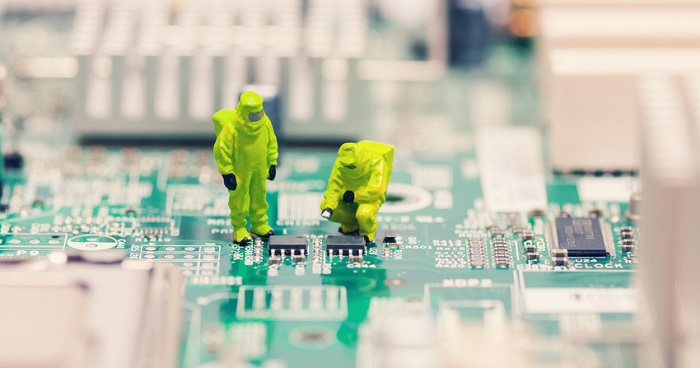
[670, 209]
[90, 310]
[589, 55]
[156, 69]
[144, 71]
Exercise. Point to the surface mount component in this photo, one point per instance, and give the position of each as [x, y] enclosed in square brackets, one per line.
[343, 244]
[560, 257]
[626, 233]
[581, 237]
[497, 232]
[629, 245]
[389, 236]
[287, 245]
[477, 253]
[528, 235]
[501, 252]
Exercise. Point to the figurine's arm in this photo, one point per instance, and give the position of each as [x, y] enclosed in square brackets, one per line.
[272, 149]
[373, 190]
[223, 150]
[335, 189]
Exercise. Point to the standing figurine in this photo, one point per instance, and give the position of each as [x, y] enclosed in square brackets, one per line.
[357, 187]
[246, 154]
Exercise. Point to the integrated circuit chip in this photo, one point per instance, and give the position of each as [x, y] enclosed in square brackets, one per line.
[581, 237]
[389, 236]
[286, 245]
[343, 244]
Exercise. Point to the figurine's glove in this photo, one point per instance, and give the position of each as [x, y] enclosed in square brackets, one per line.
[272, 174]
[349, 197]
[327, 213]
[230, 181]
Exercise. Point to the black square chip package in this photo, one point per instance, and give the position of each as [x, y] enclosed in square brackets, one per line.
[581, 237]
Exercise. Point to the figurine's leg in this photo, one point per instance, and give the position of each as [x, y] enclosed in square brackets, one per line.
[345, 215]
[367, 218]
[239, 203]
[259, 206]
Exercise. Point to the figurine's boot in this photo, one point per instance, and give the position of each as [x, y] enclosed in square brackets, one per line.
[262, 230]
[241, 236]
[367, 218]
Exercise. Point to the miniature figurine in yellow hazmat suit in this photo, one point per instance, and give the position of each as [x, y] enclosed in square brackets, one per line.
[246, 154]
[358, 186]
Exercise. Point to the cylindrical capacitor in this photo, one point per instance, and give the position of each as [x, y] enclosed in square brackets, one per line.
[634, 209]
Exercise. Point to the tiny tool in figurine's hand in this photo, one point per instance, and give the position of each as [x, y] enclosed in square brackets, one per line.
[272, 173]
[230, 181]
[348, 197]
[327, 213]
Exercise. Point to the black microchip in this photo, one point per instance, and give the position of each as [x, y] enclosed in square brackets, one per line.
[581, 237]
[286, 244]
[390, 236]
[345, 244]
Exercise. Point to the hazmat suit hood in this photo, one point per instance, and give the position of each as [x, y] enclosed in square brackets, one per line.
[353, 163]
[251, 116]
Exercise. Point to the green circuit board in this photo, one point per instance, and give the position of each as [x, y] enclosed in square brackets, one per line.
[475, 278]
[169, 206]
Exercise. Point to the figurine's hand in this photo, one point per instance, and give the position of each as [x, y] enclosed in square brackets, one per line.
[272, 174]
[349, 197]
[327, 213]
[230, 181]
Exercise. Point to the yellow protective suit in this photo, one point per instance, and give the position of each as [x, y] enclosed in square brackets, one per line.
[246, 155]
[358, 186]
